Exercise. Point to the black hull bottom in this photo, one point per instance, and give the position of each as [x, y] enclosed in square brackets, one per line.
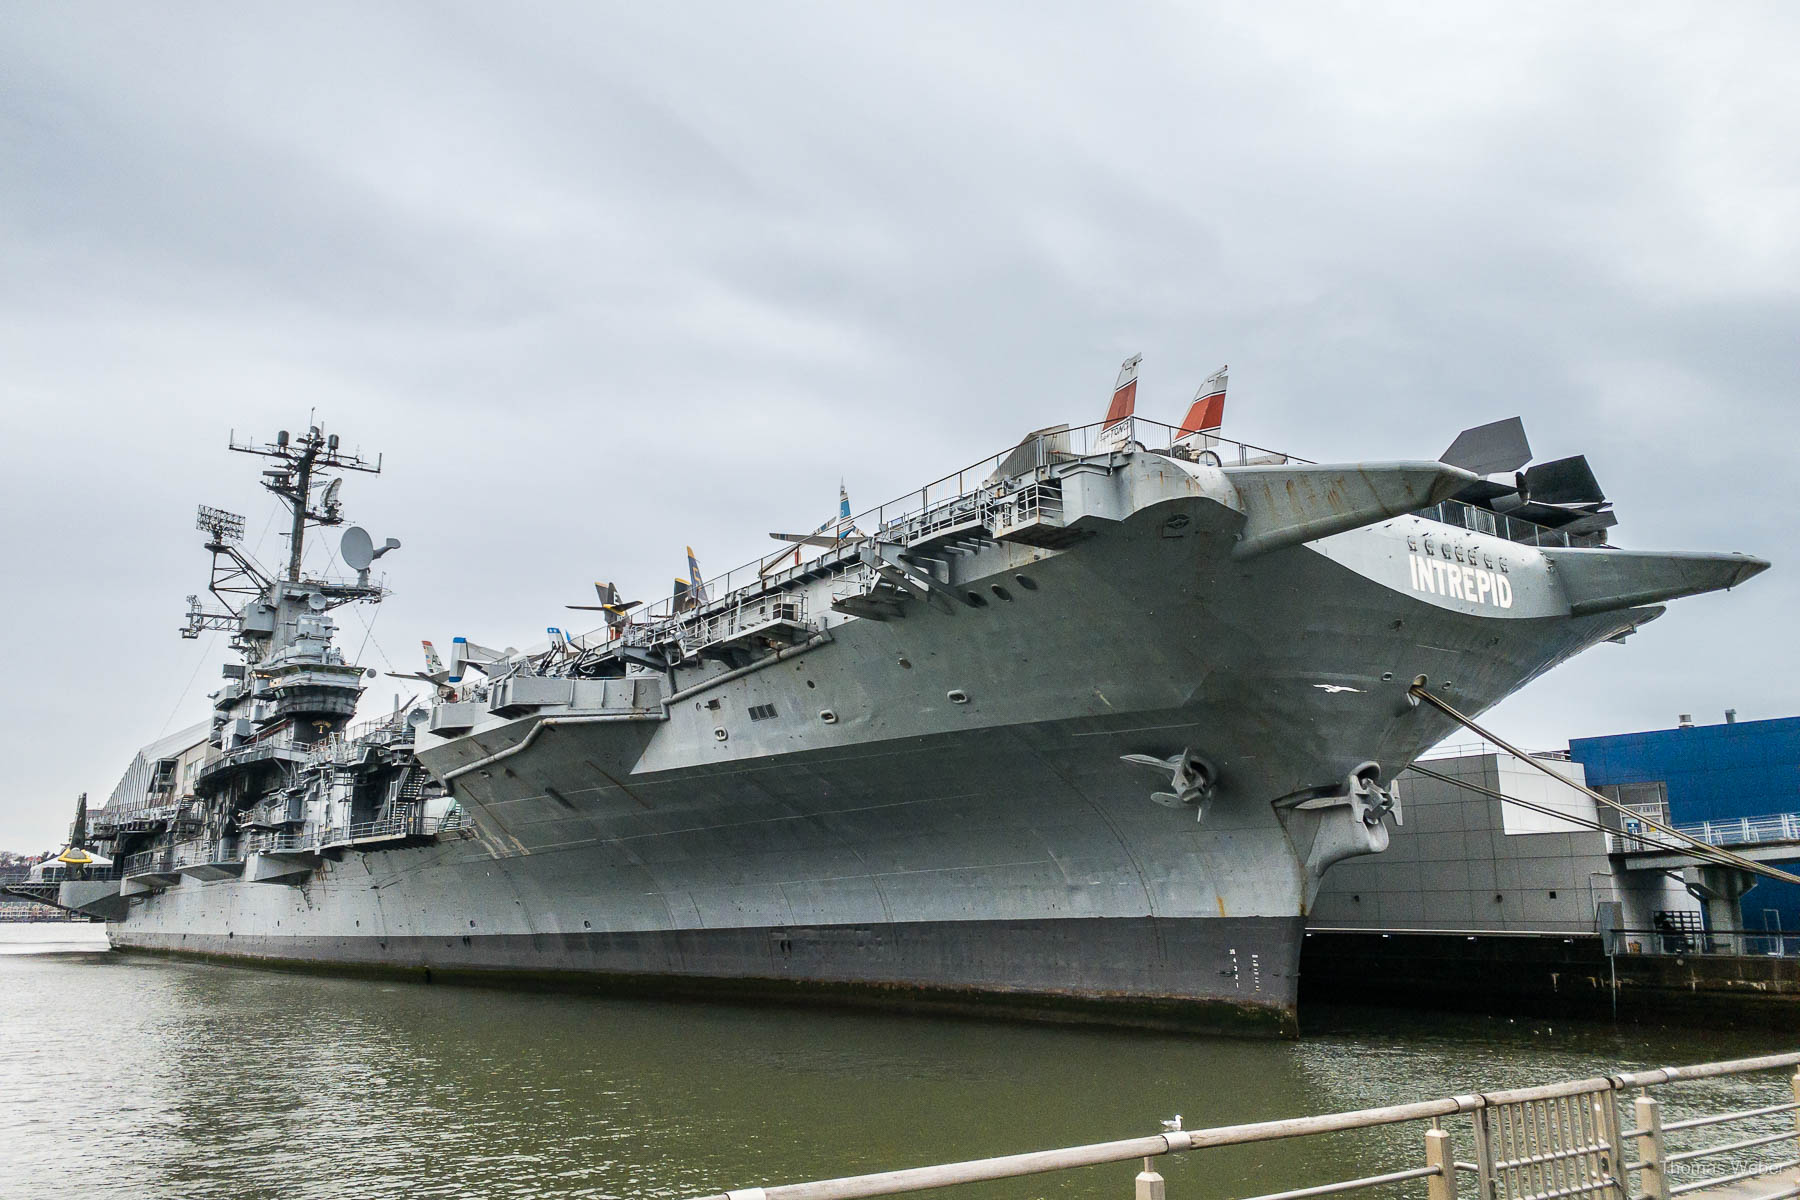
[1222, 975]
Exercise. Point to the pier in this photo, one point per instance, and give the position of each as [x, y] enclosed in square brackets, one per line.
[1604, 1138]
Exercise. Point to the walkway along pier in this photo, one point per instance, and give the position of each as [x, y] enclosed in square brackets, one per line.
[1604, 1138]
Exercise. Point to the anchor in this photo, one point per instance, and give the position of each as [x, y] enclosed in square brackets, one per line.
[1360, 790]
[1191, 777]
[1351, 817]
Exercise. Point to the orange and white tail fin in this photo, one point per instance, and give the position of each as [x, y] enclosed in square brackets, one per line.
[433, 664]
[1207, 413]
[1117, 428]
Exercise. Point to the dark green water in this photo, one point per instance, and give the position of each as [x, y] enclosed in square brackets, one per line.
[128, 1076]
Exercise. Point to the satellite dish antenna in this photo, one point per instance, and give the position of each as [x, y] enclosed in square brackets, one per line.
[317, 603]
[357, 548]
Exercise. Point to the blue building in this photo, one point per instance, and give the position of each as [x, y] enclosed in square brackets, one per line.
[1709, 773]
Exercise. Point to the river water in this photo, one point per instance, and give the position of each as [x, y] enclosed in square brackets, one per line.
[132, 1076]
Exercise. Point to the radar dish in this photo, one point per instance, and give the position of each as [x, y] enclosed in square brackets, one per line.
[317, 603]
[226, 527]
[357, 548]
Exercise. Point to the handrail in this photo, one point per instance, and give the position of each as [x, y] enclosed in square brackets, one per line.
[1082, 443]
[1602, 1148]
[1731, 831]
[958, 495]
[308, 840]
[1674, 941]
[1724, 1118]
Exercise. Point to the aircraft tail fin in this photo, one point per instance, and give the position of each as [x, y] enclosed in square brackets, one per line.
[1117, 428]
[1207, 413]
[696, 589]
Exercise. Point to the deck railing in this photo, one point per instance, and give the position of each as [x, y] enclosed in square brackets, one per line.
[60, 873]
[1563, 1141]
[897, 517]
[390, 730]
[968, 495]
[151, 862]
[1513, 529]
[308, 840]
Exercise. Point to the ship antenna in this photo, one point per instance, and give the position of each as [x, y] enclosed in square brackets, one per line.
[297, 462]
[300, 465]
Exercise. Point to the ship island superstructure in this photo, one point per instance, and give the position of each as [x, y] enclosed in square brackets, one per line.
[1075, 731]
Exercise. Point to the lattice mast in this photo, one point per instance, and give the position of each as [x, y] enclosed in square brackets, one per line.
[301, 467]
[298, 461]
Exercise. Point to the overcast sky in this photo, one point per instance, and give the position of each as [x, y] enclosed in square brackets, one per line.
[602, 281]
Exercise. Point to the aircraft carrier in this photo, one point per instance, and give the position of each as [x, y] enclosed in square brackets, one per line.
[1074, 732]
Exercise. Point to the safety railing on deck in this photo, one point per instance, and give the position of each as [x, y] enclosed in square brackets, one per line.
[150, 862]
[974, 496]
[63, 874]
[1558, 1142]
[1513, 529]
[281, 843]
[903, 516]
[393, 729]
[189, 854]
[401, 825]
[745, 613]
[167, 859]
[130, 819]
[281, 744]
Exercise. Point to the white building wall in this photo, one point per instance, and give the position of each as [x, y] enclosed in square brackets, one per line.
[1464, 862]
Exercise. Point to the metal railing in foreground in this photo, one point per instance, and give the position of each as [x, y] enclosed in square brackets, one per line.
[1562, 1141]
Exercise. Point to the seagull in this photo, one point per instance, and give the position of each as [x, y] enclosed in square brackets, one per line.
[1173, 1126]
[1335, 688]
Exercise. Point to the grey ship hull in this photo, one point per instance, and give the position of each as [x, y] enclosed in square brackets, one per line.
[992, 853]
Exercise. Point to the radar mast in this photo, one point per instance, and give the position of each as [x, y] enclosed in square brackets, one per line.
[303, 475]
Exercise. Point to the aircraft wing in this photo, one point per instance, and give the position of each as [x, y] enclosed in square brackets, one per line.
[813, 539]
